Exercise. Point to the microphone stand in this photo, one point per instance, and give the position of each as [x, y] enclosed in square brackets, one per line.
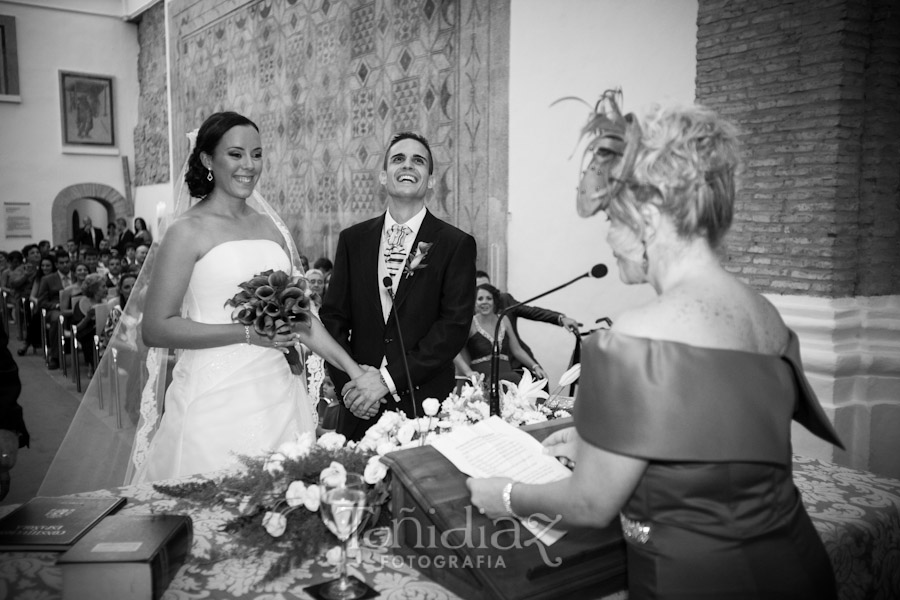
[412, 395]
[494, 399]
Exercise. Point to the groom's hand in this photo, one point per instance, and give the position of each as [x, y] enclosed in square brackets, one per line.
[364, 395]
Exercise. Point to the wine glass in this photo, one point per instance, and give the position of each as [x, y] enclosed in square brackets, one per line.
[343, 509]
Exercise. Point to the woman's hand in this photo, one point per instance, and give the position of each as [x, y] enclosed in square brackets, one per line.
[487, 495]
[562, 444]
[284, 340]
[539, 372]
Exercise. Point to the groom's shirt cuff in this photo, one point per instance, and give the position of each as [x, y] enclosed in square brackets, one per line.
[389, 382]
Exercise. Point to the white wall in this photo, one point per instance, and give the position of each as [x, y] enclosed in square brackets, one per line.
[33, 166]
[579, 48]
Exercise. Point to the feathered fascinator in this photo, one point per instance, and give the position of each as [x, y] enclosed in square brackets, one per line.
[608, 159]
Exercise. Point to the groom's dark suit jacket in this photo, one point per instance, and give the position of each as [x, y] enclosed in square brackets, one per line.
[435, 306]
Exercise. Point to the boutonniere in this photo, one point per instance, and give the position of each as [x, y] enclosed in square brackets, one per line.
[416, 258]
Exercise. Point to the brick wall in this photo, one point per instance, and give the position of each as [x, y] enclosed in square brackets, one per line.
[813, 87]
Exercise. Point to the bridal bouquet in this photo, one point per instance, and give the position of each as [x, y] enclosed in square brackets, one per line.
[520, 404]
[277, 496]
[270, 302]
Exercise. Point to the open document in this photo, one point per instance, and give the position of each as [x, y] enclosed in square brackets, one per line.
[494, 448]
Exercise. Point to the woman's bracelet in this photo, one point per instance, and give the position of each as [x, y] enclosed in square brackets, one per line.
[507, 500]
[247, 334]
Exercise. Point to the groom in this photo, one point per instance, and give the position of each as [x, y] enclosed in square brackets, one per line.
[430, 266]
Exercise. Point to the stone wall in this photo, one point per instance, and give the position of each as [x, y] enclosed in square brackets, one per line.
[151, 136]
[814, 88]
[329, 82]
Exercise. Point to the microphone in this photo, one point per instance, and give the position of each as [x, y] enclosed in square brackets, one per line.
[388, 284]
[597, 271]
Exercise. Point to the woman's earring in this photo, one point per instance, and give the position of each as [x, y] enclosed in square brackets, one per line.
[209, 176]
[645, 262]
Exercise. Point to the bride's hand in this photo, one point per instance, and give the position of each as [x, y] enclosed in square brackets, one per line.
[281, 341]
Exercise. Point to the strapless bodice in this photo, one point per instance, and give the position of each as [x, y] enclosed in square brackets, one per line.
[220, 271]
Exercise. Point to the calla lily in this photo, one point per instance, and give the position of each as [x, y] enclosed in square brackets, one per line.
[278, 279]
[570, 376]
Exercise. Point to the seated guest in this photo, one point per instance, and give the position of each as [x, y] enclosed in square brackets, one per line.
[532, 313]
[316, 280]
[83, 314]
[91, 259]
[74, 291]
[44, 247]
[130, 249]
[48, 297]
[140, 254]
[476, 355]
[113, 271]
[123, 236]
[124, 287]
[33, 338]
[683, 416]
[324, 264]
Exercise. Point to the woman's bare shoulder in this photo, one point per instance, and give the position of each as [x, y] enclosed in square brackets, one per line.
[720, 315]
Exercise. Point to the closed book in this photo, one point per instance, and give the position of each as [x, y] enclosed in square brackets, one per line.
[126, 557]
[52, 523]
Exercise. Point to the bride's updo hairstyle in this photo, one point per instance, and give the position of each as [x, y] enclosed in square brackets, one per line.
[212, 130]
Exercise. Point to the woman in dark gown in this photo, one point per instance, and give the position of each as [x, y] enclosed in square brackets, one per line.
[476, 356]
[684, 409]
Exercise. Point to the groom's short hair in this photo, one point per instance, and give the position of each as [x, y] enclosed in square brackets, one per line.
[409, 135]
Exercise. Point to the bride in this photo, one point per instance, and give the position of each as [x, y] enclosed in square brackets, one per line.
[232, 390]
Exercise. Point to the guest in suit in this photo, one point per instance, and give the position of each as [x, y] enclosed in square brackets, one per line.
[89, 235]
[13, 434]
[48, 297]
[431, 267]
[124, 235]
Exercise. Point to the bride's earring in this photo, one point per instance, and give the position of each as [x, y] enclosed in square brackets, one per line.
[209, 176]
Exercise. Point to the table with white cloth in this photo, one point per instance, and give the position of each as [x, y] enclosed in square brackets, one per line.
[856, 513]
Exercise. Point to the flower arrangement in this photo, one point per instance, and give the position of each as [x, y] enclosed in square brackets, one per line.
[416, 258]
[270, 302]
[519, 406]
[278, 496]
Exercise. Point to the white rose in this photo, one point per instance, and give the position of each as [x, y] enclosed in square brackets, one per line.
[332, 441]
[275, 523]
[334, 475]
[375, 471]
[299, 447]
[431, 406]
[274, 464]
[295, 493]
[333, 556]
[313, 498]
[384, 447]
[406, 432]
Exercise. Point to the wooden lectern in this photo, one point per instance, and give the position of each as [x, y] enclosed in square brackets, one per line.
[441, 534]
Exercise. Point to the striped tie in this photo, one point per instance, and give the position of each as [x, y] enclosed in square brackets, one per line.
[394, 252]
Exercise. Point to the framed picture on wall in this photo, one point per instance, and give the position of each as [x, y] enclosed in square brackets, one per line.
[86, 104]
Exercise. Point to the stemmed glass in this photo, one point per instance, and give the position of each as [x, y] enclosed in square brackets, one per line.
[344, 507]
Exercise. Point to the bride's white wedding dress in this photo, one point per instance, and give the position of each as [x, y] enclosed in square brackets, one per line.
[231, 400]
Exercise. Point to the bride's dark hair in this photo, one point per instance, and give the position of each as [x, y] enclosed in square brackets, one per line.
[212, 130]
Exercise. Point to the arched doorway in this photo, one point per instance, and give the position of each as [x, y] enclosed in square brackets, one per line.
[90, 199]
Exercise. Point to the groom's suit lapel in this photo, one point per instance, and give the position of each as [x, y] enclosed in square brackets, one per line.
[369, 249]
[427, 233]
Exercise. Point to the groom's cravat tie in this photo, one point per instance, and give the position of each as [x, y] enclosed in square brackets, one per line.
[394, 250]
